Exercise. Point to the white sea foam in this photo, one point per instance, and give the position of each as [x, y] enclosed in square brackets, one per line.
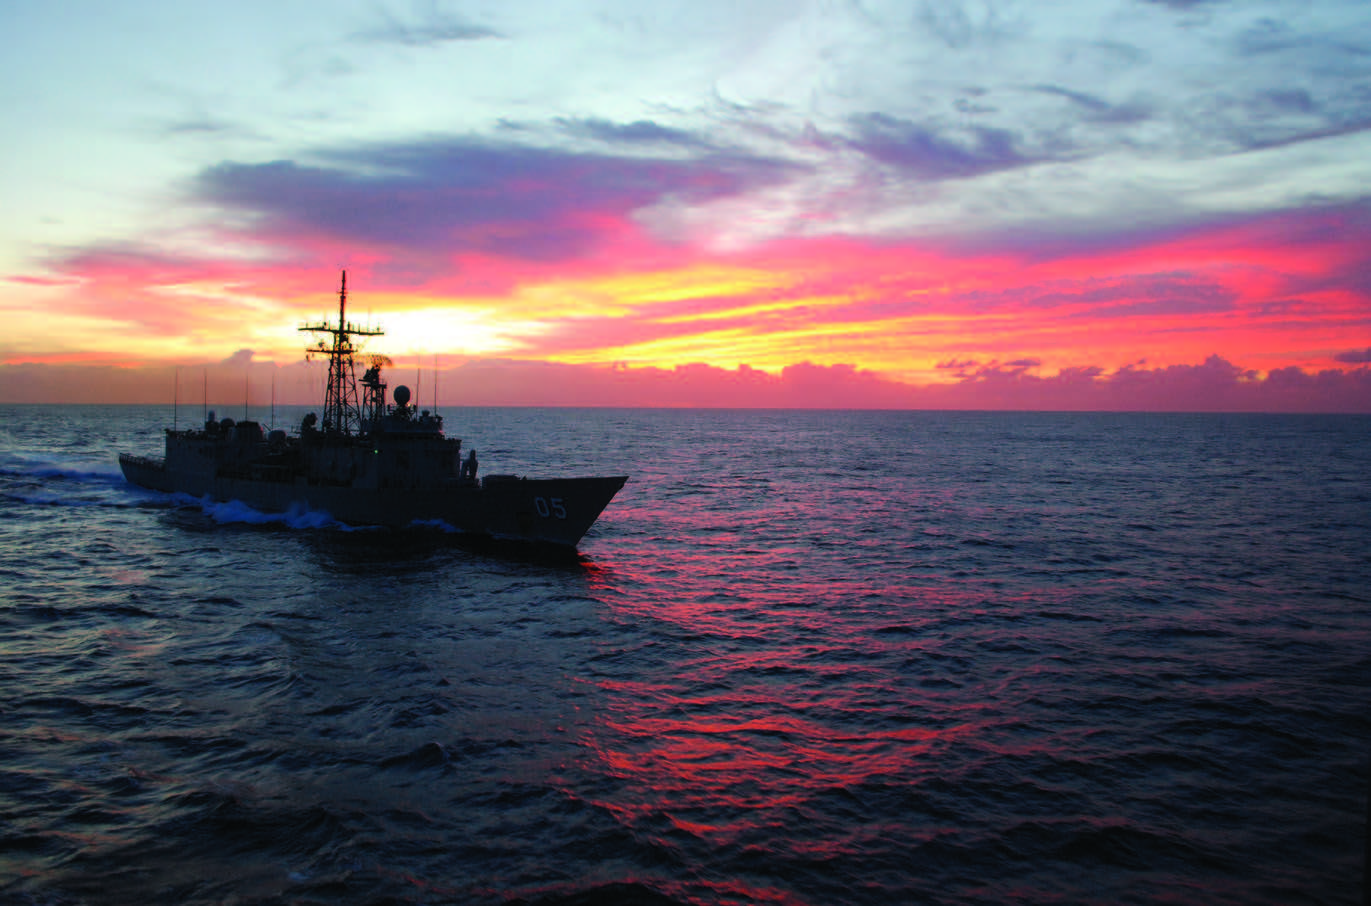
[297, 517]
[47, 466]
[439, 525]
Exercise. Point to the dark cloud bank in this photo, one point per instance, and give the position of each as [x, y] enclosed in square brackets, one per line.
[1214, 386]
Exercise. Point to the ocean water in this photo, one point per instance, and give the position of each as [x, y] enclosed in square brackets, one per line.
[804, 658]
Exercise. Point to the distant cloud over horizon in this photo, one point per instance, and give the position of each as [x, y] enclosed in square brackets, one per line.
[1213, 386]
[1354, 357]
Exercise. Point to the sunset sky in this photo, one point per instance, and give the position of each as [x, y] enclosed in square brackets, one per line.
[1101, 204]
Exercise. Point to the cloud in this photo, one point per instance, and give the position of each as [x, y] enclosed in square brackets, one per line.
[1317, 90]
[1150, 294]
[432, 28]
[1266, 121]
[638, 133]
[240, 359]
[201, 125]
[1185, 5]
[1098, 110]
[42, 280]
[931, 153]
[1354, 357]
[459, 194]
[1285, 100]
[1215, 385]
[1265, 36]
[954, 23]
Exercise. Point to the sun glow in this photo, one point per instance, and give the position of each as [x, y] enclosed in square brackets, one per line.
[462, 332]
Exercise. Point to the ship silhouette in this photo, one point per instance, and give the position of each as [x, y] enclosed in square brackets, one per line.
[370, 461]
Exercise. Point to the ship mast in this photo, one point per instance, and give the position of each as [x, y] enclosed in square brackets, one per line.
[342, 414]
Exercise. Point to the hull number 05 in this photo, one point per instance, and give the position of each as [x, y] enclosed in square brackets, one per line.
[549, 506]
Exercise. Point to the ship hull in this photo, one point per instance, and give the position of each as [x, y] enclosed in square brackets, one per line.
[555, 511]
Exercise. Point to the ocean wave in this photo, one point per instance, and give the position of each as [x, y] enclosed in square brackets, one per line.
[1105, 670]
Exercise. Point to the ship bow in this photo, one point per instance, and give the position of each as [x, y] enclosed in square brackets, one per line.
[550, 510]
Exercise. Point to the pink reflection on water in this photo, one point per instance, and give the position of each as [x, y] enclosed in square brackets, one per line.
[745, 765]
[769, 713]
[808, 682]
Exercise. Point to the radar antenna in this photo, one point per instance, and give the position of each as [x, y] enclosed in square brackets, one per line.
[374, 392]
[342, 414]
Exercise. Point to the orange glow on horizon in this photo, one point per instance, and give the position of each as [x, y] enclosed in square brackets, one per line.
[910, 312]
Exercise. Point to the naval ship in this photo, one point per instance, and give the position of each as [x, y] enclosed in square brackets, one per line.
[369, 462]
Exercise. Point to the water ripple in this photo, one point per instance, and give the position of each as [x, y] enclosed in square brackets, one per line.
[805, 658]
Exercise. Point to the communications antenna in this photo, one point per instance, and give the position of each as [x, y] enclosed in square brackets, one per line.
[342, 414]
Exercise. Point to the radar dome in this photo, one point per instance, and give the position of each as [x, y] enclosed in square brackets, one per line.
[402, 395]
